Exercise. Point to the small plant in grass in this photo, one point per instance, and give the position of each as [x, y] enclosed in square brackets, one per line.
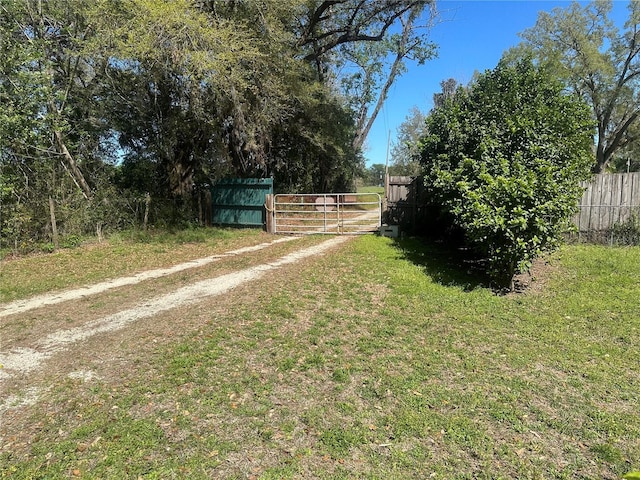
[628, 231]
[339, 440]
[71, 241]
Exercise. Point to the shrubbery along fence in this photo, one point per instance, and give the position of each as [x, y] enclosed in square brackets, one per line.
[608, 212]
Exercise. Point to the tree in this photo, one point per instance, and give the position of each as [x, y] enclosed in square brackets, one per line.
[169, 101]
[449, 87]
[375, 175]
[503, 161]
[50, 128]
[598, 62]
[106, 102]
[629, 162]
[313, 151]
[59, 29]
[367, 88]
[328, 24]
[405, 153]
[205, 125]
[357, 39]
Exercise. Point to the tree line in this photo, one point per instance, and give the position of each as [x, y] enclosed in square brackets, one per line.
[115, 111]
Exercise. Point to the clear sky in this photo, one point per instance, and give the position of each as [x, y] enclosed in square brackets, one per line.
[471, 35]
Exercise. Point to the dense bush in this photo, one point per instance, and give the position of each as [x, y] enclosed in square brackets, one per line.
[503, 160]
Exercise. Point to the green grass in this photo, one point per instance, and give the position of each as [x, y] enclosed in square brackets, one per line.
[123, 253]
[383, 360]
[371, 189]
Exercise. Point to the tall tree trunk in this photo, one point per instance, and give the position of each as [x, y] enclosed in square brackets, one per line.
[598, 167]
[147, 206]
[364, 124]
[74, 170]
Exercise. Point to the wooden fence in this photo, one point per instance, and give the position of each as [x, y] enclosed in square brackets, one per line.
[609, 199]
[405, 203]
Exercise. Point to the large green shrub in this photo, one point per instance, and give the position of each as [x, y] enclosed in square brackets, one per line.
[503, 160]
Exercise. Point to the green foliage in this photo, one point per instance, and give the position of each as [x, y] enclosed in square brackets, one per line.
[54, 142]
[628, 161]
[405, 153]
[106, 102]
[312, 152]
[375, 175]
[503, 160]
[596, 60]
[628, 231]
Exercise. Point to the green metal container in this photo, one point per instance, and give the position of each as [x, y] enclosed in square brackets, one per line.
[240, 201]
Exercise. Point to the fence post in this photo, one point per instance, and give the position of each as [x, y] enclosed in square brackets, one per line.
[385, 197]
[270, 212]
[54, 225]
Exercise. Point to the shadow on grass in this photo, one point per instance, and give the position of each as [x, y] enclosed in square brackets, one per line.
[445, 264]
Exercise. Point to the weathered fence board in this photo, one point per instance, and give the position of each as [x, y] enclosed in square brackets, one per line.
[608, 199]
[405, 202]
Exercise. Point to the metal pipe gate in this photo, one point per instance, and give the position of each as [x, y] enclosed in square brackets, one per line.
[330, 213]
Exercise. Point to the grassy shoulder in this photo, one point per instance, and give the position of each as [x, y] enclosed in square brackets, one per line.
[382, 360]
[121, 254]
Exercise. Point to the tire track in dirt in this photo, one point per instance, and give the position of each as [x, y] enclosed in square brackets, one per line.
[20, 361]
[20, 306]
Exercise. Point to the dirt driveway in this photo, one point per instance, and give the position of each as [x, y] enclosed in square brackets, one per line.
[90, 331]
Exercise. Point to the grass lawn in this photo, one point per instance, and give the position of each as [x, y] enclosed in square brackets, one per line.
[123, 254]
[385, 360]
[372, 189]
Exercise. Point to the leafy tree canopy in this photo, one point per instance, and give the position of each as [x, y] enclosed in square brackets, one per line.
[110, 100]
[405, 152]
[596, 60]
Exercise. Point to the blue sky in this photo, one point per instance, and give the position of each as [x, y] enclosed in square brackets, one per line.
[471, 35]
